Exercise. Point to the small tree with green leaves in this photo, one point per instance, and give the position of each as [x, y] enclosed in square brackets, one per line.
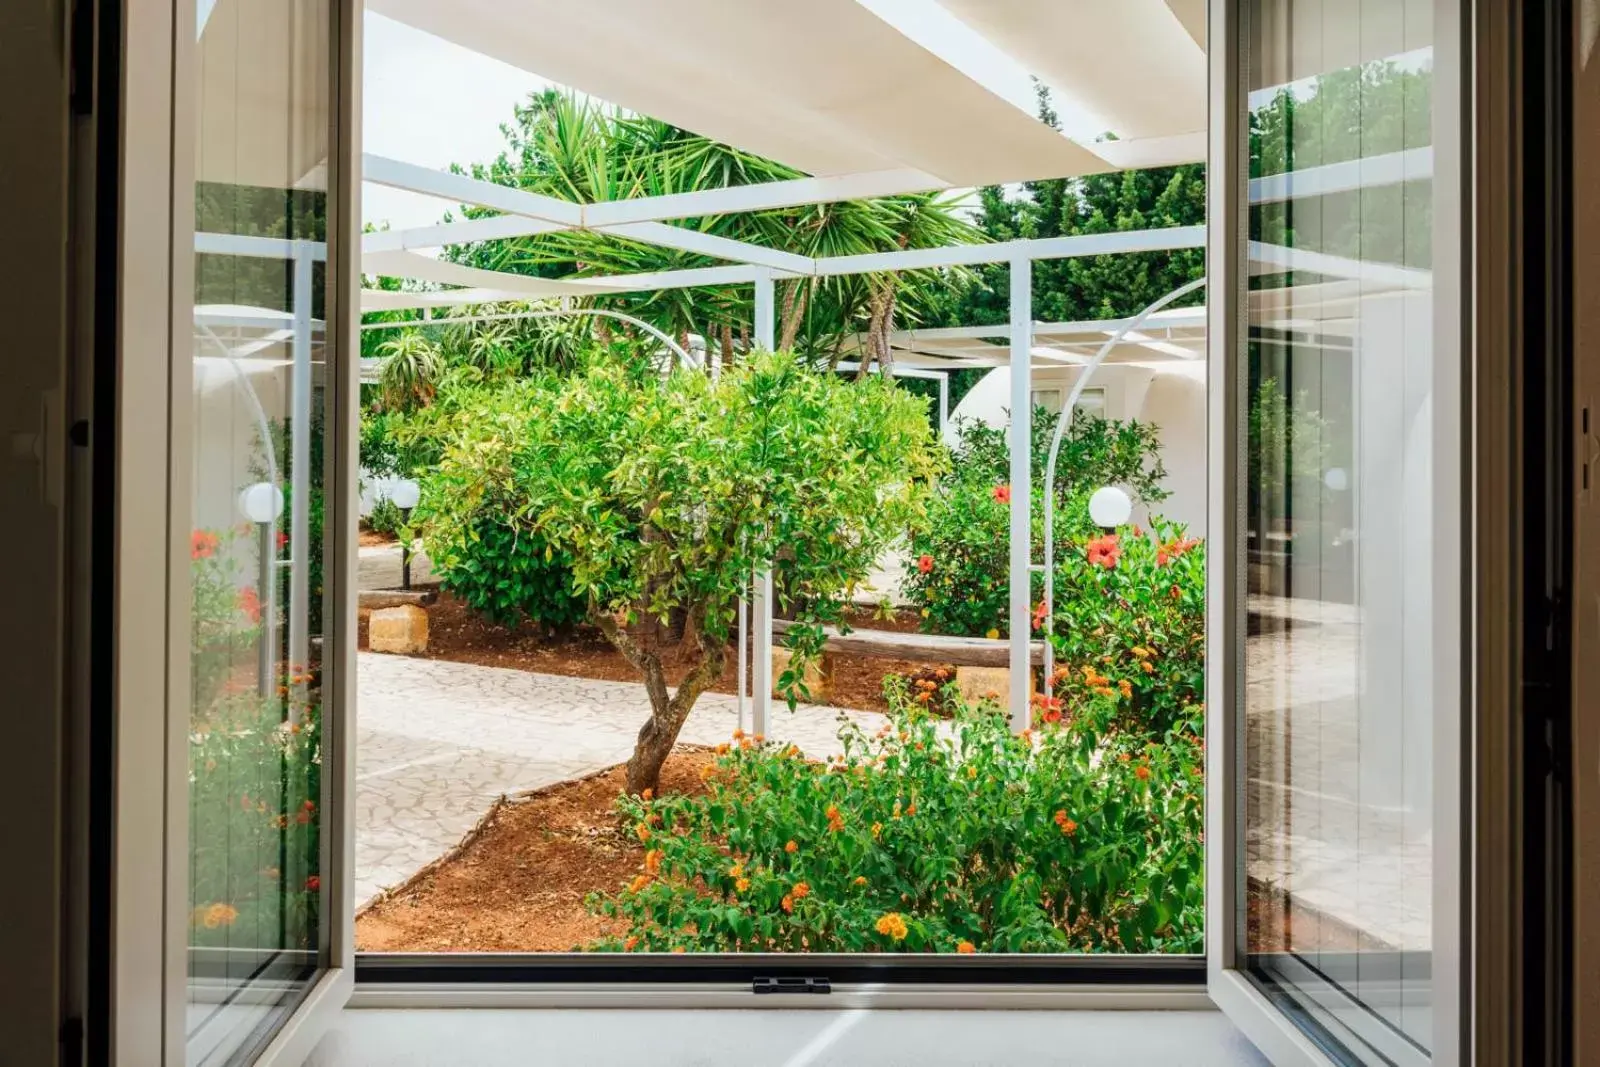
[667, 491]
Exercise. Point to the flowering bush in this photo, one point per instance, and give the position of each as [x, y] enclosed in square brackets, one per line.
[961, 583]
[1081, 837]
[254, 770]
[1130, 615]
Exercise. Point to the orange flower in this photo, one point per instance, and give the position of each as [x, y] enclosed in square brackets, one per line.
[835, 820]
[648, 794]
[678, 948]
[1067, 825]
[708, 772]
[787, 904]
[800, 891]
[791, 847]
[860, 879]
[722, 749]
[741, 884]
[966, 947]
[652, 860]
[218, 914]
[1147, 667]
[924, 563]
[1105, 551]
[642, 832]
[630, 944]
[203, 544]
[911, 808]
[1002, 494]
[1142, 772]
[892, 926]
[638, 883]
[1126, 688]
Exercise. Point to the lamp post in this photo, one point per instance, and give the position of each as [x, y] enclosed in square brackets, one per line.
[261, 504]
[1110, 507]
[404, 494]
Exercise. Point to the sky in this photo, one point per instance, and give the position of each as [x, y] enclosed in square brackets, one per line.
[433, 103]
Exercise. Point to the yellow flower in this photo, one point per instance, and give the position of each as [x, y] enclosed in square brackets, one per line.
[993, 634]
[877, 828]
[892, 926]
[1126, 688]
[972, 772]
[741, 885]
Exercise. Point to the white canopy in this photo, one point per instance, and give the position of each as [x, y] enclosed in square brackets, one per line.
[825, 86]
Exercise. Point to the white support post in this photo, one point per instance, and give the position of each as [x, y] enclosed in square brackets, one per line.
[1021, 479]
[761, 653]
[300, 472]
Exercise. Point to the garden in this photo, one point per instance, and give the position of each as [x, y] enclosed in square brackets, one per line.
[601, 496]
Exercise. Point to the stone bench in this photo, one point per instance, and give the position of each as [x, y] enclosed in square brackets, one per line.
[982, 663]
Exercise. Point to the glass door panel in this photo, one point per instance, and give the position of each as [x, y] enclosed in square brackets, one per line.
[259, 345]
[1341, 415]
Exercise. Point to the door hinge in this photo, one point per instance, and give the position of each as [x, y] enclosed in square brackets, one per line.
[790, 985]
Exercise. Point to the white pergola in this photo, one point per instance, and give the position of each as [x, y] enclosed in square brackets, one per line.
[868, 98]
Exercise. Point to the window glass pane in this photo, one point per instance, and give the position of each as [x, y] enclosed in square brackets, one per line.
[255, 813]
[1340, 525]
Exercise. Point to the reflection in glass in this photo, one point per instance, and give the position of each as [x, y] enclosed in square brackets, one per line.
[1340, 522]
[254, 751]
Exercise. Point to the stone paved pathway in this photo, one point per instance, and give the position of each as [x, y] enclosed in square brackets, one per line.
[437, 742]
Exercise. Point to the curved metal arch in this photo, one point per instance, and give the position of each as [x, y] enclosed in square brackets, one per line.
[1055, 447]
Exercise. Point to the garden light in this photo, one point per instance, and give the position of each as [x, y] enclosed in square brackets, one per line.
[1337, 479]
[261, 503]
[404, 494]
[1110, 507]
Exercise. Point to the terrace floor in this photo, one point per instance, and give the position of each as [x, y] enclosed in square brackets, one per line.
[437, 742]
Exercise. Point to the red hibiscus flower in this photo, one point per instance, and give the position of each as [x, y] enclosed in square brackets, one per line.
[1039, 615]
[202, 544]
[924, 563]
[249, 603]
[283, 539]
[1002, 494]
[1105, 551]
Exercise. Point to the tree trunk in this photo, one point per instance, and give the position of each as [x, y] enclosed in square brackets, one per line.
[668, 711]
[727, 345]
[795, 298]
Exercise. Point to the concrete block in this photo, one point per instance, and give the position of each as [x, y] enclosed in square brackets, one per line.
[402, 629]
[987, 683]
[817, 674]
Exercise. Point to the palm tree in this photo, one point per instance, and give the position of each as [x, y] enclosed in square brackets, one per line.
[411, 370]
[578, 151]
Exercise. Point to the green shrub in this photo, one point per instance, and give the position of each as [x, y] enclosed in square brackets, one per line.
[1094, 452]
[511, 576]
[961, 556]
[1130, 615]
[1080, 838]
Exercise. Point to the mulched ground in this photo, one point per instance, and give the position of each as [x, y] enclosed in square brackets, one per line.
[518, 886]
[456, 633]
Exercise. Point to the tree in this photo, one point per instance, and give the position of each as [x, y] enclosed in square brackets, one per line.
[575, 150]
[667, 490]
